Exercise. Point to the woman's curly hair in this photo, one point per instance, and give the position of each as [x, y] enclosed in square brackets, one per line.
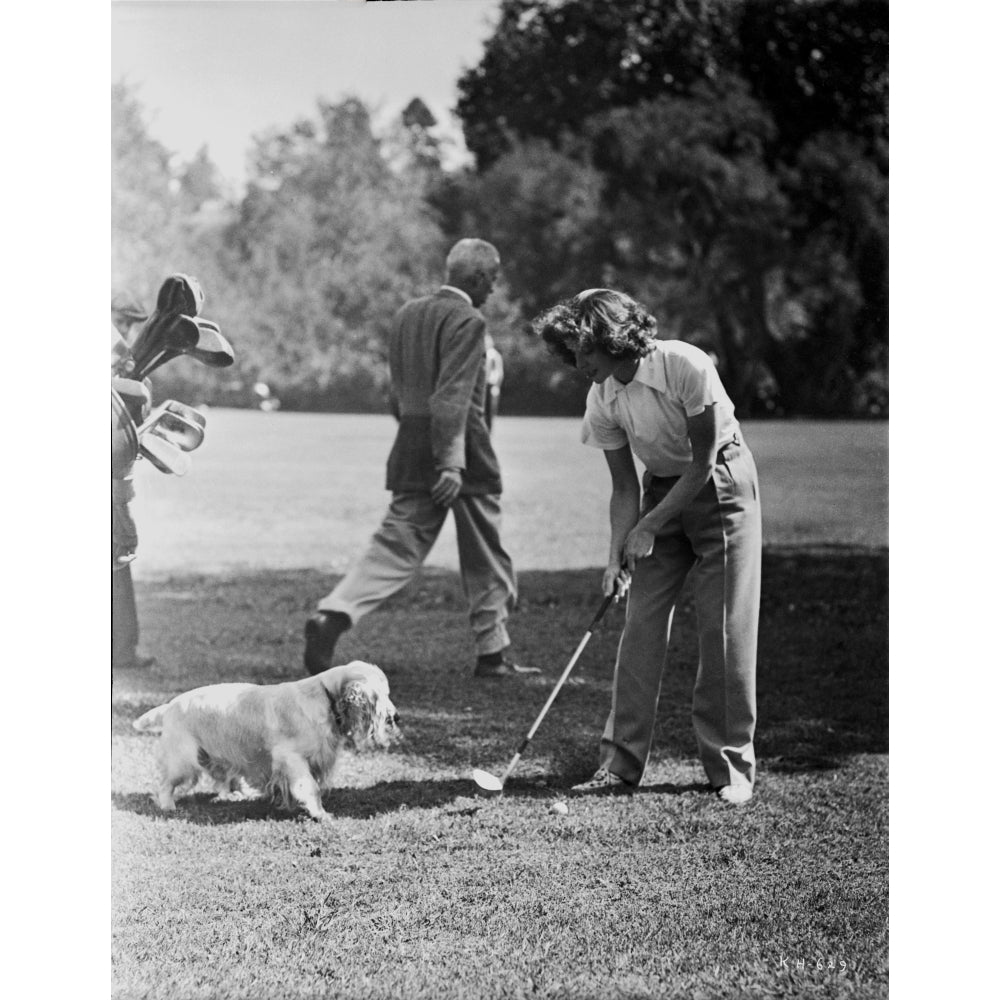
[597, 318]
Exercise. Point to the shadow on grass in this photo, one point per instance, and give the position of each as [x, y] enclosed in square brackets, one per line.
[454, 796]
[205, 809]
[822, 666]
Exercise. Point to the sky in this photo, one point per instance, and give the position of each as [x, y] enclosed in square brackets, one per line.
[215, 72]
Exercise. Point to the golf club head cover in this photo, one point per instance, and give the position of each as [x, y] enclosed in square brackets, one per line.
[199, 340]
[181, 334]
[180, 293]
[174, 334]
[212, 348]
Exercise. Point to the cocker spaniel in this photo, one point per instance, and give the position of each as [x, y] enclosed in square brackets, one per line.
[282, 739]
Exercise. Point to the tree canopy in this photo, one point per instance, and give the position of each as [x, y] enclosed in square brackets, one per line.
[739, 149]
[724, 161]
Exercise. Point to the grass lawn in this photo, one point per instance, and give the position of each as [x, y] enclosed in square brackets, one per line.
[423, 890]
[294, 490]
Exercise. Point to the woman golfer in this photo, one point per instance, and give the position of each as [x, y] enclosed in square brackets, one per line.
[699, 514]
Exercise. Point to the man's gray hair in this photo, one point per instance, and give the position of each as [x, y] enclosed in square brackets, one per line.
[468, 256]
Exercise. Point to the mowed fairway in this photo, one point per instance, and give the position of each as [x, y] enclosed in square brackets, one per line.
[421, 889]
[292, 490]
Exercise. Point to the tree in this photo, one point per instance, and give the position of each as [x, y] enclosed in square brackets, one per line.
[837, 271]
[548, 67]
[418, 124]
[160, 226]
[199, 182]
[545, 206]
[145, 212]
[819, 66]
[695, 220]
[740, 151]
[328, 243]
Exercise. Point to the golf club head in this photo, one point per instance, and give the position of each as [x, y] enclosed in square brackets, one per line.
[172, 337]
[189, 413]
[212, 349]
[180, 293]
[163, 455]
[487, 784]
[173, 428]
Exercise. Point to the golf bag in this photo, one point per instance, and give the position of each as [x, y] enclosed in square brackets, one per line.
[166, 434]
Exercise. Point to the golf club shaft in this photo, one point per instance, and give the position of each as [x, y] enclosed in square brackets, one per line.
[562, 680]
[546, 707]
[147, 341]
[157, 360]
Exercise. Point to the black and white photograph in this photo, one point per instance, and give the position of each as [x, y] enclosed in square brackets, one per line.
[500, 499]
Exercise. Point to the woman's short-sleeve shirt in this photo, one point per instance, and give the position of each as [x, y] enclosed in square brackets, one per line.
[676, 380]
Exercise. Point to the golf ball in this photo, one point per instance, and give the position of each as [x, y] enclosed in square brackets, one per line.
[560, 808]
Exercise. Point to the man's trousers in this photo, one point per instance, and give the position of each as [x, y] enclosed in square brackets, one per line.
[403, 540]
[717, 539]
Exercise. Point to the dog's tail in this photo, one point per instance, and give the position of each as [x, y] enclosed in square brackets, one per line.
[151, 721]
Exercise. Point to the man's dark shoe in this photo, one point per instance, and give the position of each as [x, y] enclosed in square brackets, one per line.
[323, 629]
[497, 665]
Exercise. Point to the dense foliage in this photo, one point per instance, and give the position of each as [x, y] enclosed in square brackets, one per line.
[725, 161]
[739, 153]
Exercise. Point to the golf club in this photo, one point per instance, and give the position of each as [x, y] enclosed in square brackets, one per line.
[164, 456]
[488, 784]
[211, 349]
[189, 413]
[180, 293]
[179, 334]
[174, 428]
[150, 332]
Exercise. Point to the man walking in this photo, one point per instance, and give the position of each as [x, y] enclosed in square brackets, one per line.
[442, 460]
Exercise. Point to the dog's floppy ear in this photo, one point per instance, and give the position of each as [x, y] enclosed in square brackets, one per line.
[353, 710]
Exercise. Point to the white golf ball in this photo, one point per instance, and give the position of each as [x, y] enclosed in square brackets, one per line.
[560, 808]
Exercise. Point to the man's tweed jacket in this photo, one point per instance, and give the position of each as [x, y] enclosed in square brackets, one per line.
[437, 363]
